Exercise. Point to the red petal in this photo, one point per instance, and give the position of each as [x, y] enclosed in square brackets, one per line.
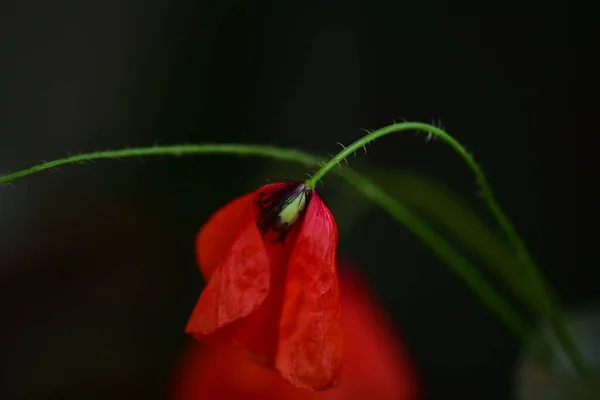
[239, 282]
[310, 333]
[258, 333]
[217, 234]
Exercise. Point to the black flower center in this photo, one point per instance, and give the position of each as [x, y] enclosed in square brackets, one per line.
[280, 206]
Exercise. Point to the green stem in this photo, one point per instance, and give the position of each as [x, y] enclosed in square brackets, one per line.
[441, 247]
[548, 299]
[176, 150]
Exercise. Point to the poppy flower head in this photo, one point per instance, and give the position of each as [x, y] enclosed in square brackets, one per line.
[279, 206]
[272, 290]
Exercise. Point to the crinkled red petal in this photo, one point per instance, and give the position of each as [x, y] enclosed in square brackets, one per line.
[310, 331]
[258, 334]
[255, 327]
[239, 282]
[217, 234]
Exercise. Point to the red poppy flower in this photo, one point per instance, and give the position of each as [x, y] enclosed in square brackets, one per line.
[269, 259]
[375, 365]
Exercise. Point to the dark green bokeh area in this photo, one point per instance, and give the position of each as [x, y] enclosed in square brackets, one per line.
[97, 271]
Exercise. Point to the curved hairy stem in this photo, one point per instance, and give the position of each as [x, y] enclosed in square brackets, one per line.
[175, 150]
[548, 300]
[438, 244]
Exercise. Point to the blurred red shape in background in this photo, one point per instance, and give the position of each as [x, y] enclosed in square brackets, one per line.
[375, 366]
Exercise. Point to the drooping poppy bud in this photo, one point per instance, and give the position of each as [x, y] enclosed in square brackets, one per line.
[269, 259]
[376, 366]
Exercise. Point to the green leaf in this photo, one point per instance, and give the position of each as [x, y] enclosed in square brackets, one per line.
[451, 213]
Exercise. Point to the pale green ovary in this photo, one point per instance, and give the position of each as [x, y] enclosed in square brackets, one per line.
[290, 213]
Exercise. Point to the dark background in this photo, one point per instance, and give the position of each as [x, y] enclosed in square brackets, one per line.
[97, 274]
